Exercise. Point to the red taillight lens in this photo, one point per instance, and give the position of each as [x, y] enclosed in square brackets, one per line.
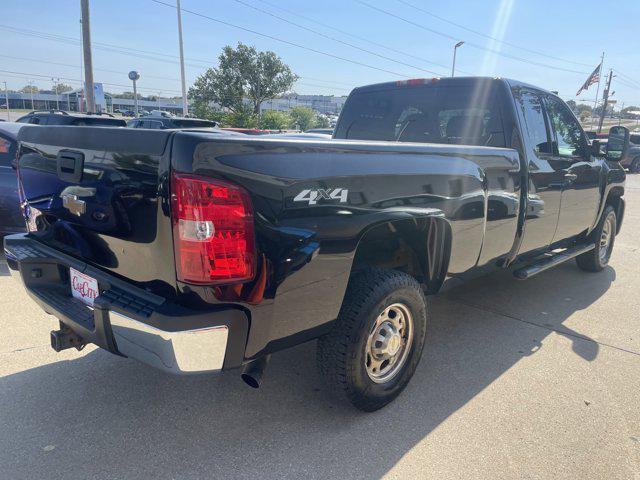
[212, 231]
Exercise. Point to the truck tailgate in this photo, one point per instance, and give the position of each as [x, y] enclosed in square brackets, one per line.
[96, 193]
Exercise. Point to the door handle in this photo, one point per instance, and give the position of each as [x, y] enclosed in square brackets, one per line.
[571, 176]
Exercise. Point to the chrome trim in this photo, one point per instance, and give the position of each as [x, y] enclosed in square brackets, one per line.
[187, 351]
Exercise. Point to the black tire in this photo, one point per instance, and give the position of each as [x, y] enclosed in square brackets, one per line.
[635, 165]
[342, 353]
[594, 261]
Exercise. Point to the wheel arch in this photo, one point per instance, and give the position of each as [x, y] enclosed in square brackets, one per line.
[418, 246]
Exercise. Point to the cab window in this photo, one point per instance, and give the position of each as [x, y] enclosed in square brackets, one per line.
[568, 139]
[535, 125]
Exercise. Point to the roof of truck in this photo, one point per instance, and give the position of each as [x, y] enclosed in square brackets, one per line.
[443, 81]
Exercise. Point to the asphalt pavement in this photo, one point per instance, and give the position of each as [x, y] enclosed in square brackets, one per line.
[519, 380]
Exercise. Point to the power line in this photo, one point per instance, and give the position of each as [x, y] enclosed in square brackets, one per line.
[286, 42]
[329, 37]
[490, 37]
[358, 37]
[74, 66]
[627, 77]
[76, 81]
[473, 45]
[73, 41]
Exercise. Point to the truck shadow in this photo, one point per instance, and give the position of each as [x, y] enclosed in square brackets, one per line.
[106, 416]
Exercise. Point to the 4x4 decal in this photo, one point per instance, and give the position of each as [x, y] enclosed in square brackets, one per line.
[312, 196]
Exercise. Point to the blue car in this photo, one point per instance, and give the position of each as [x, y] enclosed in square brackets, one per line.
[11, 220]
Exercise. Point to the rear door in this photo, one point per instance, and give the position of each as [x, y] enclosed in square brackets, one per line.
[580, 171]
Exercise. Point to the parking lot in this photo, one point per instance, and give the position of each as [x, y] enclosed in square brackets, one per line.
[526, 380]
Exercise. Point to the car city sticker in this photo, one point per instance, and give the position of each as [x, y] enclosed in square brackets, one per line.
[312, 196]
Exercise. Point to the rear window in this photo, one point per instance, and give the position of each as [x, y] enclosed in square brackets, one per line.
[463, 115]
[193, 123]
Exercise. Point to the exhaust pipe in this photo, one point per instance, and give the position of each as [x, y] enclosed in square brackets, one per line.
[252, 372]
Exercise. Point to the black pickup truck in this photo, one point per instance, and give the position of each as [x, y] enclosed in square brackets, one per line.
[195, 252]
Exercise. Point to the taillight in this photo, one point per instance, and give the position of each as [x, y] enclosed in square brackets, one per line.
[212, 230]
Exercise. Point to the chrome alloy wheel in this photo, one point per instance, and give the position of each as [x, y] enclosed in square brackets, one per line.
[389, 343]
[606, 238]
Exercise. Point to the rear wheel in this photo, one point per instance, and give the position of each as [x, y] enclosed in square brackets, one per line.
[635, 165]
[604, 236]
[376, 344]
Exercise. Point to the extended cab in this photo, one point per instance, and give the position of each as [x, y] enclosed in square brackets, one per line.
[195, 252]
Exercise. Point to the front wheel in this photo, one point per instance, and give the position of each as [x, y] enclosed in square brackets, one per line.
[604, 235]
[635, 165]
[376, 343]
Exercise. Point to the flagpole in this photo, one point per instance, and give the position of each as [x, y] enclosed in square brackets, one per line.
[595, 105]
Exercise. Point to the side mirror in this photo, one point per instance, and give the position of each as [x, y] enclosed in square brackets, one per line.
[617, 144]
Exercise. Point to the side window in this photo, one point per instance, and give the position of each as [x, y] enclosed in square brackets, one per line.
[7, 150]
[536, 128]
[36, 120]
[153, 124]
[569, 139]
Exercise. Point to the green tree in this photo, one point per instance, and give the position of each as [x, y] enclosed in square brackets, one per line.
[241, 118]
[29, 89]
[243, 72]
[61, 88]
[128, 95]
[571, 104]
[303, 118]
[274, 120]
[321, 121]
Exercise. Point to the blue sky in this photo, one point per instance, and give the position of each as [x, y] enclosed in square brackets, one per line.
[570, 30]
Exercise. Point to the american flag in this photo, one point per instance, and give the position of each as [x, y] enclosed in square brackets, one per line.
[593, 78]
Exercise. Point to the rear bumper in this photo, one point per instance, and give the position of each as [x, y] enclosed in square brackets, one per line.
[127, 320]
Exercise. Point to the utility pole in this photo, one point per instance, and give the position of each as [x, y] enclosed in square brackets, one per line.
[605, 101]
[455, 49]
[185, 107]
[88, 63]
[6, 99]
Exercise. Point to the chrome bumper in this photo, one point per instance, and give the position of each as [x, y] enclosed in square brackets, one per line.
[187, 351]
[128, 321]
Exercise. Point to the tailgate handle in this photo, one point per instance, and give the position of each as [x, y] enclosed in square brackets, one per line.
[70, 165]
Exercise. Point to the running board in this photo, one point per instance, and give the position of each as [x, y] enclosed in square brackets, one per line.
[552, 261]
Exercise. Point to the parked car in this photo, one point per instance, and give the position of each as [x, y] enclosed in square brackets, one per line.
[247, 131]
[325, 131]
[196, 252]
[631, 160]
[129, 113]
[11, 220]
[170, 122]
[61, 117]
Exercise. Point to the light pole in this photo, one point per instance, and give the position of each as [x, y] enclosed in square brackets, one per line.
[31, 92]
[56, 81]
[6, 99]
[134, 77]
[185, 105]
[455, 49]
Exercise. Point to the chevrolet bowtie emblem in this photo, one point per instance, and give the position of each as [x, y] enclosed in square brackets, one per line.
[73, 204]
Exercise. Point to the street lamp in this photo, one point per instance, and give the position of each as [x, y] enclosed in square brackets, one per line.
[56, 81]
[455, 49]
[134, 77]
